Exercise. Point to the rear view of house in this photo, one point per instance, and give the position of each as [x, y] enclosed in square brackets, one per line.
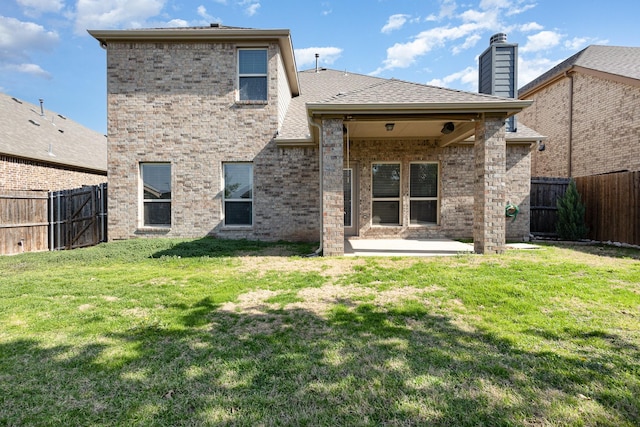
[213, 131]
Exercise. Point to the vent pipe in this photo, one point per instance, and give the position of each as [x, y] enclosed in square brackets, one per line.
[317, 56]
[41, 107]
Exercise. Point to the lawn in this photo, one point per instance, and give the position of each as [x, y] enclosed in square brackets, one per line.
[207, 332]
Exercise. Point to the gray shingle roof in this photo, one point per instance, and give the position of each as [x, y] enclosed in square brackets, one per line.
[617, 60]
[332, 87]
[52, 139]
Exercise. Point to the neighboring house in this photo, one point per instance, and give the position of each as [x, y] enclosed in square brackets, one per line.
[212, 131]
[44, 150]
[589, 108]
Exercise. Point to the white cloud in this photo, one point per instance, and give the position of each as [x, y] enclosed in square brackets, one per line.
[529, 69]
[37, 7]
[307, 56]
[467, 77]
[395, 22]
[177, 23]
[251, 6]
[202, 11]
[469, 42]
[544, 40]
[530, 26]
[115, 13]
[32, 69]
[19, 38]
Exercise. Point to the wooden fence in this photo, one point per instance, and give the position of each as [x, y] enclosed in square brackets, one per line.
[23, 221]
[545, 193]
[33, 221]
[612, 204]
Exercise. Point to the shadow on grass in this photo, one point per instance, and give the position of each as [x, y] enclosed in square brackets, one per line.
[212, 247]
[359, 365]
[598, 249]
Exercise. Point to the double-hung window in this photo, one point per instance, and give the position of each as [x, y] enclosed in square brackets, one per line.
[423, 193]
[252, 74]
[238, 194]
[385, 205]
[156, 194]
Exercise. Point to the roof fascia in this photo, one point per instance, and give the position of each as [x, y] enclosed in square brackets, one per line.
[282, 36]
[608, 76]
[508, 107]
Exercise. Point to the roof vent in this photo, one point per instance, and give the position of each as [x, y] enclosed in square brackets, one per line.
[17, 100]
[498, 38]
[62, 117]
[33, 122]
[215, 25]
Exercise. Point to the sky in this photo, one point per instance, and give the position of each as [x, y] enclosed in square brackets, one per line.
[46, 52]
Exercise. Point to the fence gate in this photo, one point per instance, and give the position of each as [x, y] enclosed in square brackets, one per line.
[77, 218]
[545, 193]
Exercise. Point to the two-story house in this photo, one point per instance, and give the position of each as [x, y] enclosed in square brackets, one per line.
[213, 131]
[588, 107]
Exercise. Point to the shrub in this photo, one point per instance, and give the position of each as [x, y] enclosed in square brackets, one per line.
[571, 224]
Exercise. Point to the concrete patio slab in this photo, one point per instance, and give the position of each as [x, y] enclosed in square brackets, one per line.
[405, 247]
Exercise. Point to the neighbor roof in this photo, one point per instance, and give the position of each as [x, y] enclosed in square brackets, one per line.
[615, 60]
[52, 138]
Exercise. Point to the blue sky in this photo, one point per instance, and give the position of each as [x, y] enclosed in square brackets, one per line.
[45, 51]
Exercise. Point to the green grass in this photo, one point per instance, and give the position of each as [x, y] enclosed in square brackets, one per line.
[211, 332]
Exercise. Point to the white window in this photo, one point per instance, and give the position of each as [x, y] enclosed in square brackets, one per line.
[238, 194]
[156, 194]
[423, 193]
[385, 187]
[252, 74]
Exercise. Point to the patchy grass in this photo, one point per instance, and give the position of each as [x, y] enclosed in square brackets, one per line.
[210, 332]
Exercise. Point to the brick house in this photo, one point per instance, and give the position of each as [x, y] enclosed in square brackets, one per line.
[44, 150]
[212, 131]
[589, 108]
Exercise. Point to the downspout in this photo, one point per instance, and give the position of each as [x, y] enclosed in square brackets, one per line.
[570, 147]
[318, 251]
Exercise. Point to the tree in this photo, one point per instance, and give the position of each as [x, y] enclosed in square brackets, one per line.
[571, 224]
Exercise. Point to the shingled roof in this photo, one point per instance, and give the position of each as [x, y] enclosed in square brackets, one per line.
[50, 138]
[615, 60]
[326, 88]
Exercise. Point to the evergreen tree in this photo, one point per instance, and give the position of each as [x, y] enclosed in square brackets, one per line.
[571, 224]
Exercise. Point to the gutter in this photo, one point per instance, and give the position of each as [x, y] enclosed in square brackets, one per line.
[570, 142]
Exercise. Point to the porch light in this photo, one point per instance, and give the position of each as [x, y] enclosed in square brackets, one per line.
[448, 128]
[389, 126]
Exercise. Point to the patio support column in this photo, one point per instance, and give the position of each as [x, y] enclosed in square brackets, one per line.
[489, 188]
[332, 188]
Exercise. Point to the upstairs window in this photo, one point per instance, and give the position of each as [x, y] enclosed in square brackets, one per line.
[252, 74]
[156, 194]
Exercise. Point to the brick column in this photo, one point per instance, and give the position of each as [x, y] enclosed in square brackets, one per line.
[489, 187]
[332, 188]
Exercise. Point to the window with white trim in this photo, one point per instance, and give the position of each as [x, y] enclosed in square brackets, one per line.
[156, 194]
[252, 74]
[423, 193]
[238, 194]
[385, 192]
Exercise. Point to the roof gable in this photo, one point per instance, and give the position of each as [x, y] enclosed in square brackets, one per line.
[615, 60]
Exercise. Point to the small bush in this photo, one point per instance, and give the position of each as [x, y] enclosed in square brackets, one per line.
[571, 224]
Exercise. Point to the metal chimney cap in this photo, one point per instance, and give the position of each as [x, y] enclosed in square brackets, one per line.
[498, 38]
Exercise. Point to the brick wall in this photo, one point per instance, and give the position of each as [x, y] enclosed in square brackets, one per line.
[176, 102]
[20, 174]
[456, 187]
[606, 127]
